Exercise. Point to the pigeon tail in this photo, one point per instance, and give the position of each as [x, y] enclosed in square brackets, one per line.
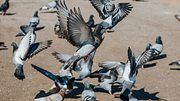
[19, 73]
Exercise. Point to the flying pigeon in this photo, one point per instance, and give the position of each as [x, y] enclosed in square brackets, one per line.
[79, 33]
[27, 48]
[88, 94]
[65, 82]
[33, 23]
[111, 13]
[4, 7]
[50, 7]
[129, 76]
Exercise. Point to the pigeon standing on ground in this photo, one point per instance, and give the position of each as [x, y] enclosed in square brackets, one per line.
[50, 7]
[27, 48]
[88, 94]
[33, 23]
[4, 7]
[157, 47]
[62, 83]
[111, 13]
[177, 63]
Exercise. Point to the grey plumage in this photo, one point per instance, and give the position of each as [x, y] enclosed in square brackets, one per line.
[33, 23]
[110, 13]
[88, 94]
[4, 7]
[83, 66]
[129, 76]
[79, 33]
[27, 48]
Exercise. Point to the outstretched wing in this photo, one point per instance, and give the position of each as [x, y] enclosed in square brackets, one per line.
[61, 57]
[145, 57]
[78, 31]
[121, 12]
[38, 47]
[110, 64]
[99, 5]
[62, 14]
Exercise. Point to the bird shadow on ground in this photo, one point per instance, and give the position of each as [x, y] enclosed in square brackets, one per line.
[42, 93]
[162, 56]
[8, 14]
[75, 92]
[115, 88]
[150, 65]
[4, 48]
[141, 94]
[175, 69]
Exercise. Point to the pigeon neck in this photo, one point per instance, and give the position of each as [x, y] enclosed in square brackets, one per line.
[15, 47]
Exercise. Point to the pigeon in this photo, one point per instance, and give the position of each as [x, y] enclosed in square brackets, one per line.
[33, 23]
[177, 63]
[83, 66]
[63, 13]
[157, 47]
[79, 33]
[64, 82]
[88, 94]
[52, 97]
[129, 76]
[4, 7]
[177, 17]
[110, 13]
[27, 48]
[50, 7]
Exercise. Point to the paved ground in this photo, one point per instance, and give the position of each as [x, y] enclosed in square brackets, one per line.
[146, 21]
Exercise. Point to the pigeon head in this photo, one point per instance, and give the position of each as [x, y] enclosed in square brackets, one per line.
[91, 16]
[87, 85]
[158, 40]
[35, 14]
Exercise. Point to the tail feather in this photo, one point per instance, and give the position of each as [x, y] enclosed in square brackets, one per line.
[19, 73]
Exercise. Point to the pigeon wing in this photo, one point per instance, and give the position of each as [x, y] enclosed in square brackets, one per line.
[79, 31]
[110, 64]
[38, 47]
[61, 57]
[99, 5]
[121, 12]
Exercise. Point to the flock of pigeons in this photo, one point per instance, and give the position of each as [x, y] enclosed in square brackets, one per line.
[86, 36]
